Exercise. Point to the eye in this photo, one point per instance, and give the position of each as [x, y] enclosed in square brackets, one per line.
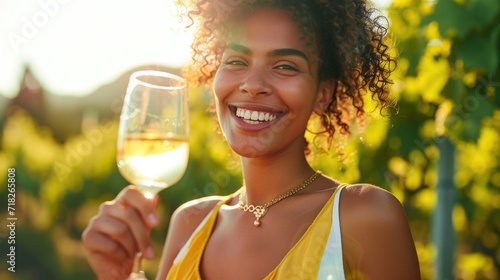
[287, 67]
[235, 62]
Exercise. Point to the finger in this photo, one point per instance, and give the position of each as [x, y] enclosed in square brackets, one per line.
[116, 231]
[130, 196]
[110, 269]
[135, 227]
[95, 242]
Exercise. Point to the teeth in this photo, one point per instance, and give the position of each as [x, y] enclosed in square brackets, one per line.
[261, 116]
[247, 115]
[254, 117]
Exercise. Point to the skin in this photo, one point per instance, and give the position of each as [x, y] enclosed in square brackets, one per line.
[265, 68]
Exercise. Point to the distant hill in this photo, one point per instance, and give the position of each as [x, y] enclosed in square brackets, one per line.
[63, 114]
[3, 103]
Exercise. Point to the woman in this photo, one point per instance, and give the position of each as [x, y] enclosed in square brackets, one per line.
[273, 65]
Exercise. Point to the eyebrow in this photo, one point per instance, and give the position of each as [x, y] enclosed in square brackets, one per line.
[273, 53]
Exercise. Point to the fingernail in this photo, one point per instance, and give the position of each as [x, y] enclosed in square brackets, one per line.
[152, 219]
[149, 253]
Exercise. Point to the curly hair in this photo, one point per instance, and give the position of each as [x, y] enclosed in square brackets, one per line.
[345, 35]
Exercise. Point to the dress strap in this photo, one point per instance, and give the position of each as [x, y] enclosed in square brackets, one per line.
[210, 219]
[332, 266]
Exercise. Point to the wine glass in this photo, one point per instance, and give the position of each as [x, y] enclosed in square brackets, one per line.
[152, 145]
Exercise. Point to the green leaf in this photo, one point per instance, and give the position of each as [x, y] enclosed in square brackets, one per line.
[412, 49]
[497, 93]
[468, 117]
[457, 20]
[454, 90]
[478, 52]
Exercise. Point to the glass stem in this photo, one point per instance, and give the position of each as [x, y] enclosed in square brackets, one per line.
[137, 262]
[137, 273]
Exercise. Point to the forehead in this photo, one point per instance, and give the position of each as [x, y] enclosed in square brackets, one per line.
[265, 26]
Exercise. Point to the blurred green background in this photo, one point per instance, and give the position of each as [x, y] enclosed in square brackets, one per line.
[439, 154]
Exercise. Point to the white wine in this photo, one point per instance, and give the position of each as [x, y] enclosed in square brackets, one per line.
[152, 162]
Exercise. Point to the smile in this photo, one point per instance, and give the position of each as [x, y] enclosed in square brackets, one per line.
[254, 117]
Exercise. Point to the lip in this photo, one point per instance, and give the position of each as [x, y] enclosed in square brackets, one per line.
[254, 107]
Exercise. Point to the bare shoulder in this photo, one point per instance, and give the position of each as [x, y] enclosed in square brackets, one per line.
[376, 234]
[183, 223]
[193, 212]
[372, 203]
[367, 210]
[188, 216]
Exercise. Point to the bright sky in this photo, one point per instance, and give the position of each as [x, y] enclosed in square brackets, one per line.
[75, 46]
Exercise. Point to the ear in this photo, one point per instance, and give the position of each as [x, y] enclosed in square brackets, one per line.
[325, 95]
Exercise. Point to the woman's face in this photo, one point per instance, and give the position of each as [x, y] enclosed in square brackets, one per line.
[266, 86]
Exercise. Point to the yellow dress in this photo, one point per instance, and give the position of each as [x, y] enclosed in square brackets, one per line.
[317, 254]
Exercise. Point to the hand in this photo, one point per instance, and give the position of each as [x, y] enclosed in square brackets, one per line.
[118, 232]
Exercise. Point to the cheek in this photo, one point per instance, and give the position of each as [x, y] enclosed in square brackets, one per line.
[222, 85]
[221, 89]
[216, 86]
[299, 95]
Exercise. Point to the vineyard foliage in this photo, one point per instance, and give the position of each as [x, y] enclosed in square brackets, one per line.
[447, 85]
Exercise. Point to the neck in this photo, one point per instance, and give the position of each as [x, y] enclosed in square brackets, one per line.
[266, 179]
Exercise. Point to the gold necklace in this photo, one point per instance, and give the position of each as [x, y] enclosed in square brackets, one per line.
[260, 210]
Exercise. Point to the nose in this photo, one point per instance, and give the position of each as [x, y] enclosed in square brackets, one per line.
[255, 83]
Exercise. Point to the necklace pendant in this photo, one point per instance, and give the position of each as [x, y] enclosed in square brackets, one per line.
[259, 211]
[256, 223]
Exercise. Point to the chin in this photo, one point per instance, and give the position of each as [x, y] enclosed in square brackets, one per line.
[248, 147]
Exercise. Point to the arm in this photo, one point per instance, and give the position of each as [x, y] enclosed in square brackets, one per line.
[376, 236]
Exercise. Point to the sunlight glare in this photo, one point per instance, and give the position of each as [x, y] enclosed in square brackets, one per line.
[76, 46]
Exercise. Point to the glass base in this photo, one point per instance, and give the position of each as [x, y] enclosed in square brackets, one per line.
[137, 276]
